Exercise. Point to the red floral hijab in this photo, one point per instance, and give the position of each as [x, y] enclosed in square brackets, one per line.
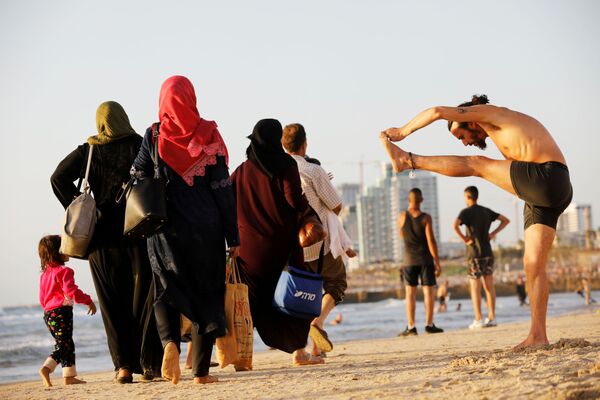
[187, 142]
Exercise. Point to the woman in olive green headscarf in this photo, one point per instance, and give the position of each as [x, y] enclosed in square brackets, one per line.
[112, 124]
[120, 267]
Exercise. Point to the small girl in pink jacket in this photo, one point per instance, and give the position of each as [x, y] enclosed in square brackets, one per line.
[58, 293]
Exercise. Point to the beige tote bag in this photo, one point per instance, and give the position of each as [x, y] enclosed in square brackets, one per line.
[80, 220]
[237, 346]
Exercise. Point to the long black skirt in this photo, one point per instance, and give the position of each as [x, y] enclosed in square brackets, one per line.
[123, 280]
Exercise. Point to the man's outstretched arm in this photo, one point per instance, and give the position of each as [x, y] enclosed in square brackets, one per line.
[479, 113]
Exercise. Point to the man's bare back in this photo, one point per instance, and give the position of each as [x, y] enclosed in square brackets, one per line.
[521, 137]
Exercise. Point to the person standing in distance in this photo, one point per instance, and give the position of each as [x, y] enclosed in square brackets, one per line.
[480, 258]
[421, 261]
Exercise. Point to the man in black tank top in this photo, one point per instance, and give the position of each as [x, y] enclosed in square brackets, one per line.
[480, 258]
[420, 261]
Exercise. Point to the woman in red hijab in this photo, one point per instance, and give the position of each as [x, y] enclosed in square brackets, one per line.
[188, 254]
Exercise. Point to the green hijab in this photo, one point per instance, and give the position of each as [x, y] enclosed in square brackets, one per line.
[112, 124]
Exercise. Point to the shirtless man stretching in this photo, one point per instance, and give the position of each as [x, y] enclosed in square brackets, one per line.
[534, 169]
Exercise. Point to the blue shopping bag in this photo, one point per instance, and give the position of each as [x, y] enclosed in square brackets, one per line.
[299, 293]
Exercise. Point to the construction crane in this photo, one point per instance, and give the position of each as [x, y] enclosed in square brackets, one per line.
[361, 168]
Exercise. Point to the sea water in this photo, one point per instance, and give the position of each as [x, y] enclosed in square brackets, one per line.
[25, 341]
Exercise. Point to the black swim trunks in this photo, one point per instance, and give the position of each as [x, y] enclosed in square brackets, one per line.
[545, 188]
[413, 273]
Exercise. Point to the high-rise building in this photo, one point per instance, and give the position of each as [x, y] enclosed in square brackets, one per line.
[349, 221]
[378, 208]
[577, 218]
[575, 225]
[349, 191]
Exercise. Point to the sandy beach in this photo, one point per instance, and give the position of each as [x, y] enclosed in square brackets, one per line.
[460, 364]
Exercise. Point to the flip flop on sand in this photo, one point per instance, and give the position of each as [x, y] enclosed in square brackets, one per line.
[321, 339]
[308, 360]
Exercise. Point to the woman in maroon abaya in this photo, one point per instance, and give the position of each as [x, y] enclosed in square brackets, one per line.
[270, 205]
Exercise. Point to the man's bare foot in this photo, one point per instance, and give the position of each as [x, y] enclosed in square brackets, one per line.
[45, 375]
[532, 342]
[351, 253]
[203, 380]
[170, 365]
[400, 159]
[72, 380]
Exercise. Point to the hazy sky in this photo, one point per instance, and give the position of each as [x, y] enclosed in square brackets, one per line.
[345, 69]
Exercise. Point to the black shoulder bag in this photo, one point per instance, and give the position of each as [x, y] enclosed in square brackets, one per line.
[145, 199]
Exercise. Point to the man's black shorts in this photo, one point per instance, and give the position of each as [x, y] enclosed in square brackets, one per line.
[426, 273]
[545, 188]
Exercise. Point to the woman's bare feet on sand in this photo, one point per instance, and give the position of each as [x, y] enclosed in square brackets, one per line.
[45, 375]
[170, 365]
[71, 380]
[301, 357]
[400, 158]
[203, 380]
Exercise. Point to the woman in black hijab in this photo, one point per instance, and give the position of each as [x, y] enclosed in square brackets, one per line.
[265, 148]
[270, 206]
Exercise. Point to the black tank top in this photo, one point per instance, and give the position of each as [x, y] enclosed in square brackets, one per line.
[416, 250]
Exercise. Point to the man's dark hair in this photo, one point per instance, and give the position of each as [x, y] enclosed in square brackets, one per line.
[312, 160]
[476, 99]
[473, 192]
[418, 194]
[294, 137]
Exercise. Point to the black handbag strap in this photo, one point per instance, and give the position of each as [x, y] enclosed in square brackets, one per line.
[154, 154]
[321, 256]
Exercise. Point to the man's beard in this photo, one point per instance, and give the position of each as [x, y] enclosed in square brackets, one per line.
[481, 144]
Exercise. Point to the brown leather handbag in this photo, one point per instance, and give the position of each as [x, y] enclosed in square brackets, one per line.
[311, 229]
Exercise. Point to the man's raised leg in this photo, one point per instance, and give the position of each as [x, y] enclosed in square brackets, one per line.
[494, 171]
[538, 241]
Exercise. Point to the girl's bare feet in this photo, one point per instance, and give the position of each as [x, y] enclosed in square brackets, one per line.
[400, 159]
[72, 380]
[170, 365]
[203, 380]
[45, 375]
